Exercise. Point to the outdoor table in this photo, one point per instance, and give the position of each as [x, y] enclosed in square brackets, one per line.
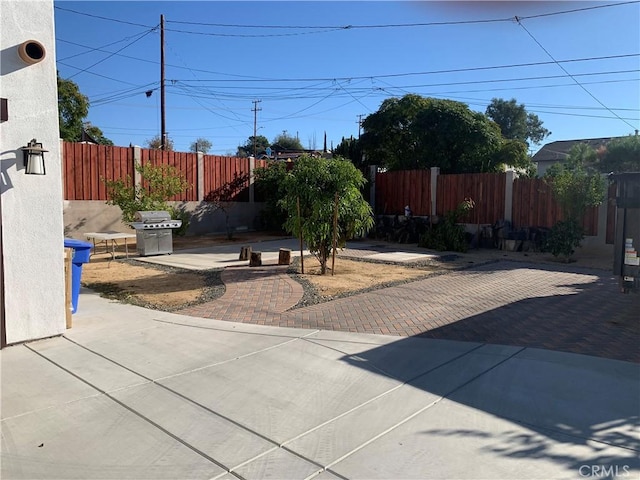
[110, 240]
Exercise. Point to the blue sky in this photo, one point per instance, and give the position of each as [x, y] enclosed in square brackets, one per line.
[313, 75]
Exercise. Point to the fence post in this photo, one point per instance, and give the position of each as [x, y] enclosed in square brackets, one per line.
[63, 169]
[137, 160]
[373, 169]
[435, 171]
[510, 176]
[200, 175]
[252, 166]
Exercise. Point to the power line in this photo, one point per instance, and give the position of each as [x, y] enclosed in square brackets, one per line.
[140, 37]
[101, 18]
[395, 25]
[432, 72]
[567, 72]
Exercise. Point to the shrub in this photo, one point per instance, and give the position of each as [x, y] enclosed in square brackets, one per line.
[161, 183]
[447, 235]
[564, 237]
[180, 213]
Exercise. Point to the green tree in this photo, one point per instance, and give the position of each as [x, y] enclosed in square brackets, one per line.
[415, 132]
[97, 134]
[315, 182]
[155, 143]
[201, 145]
[73, 107]
[622, 155]
[513, 153]
[287, 142]
[257, 144]
[159, 183]
[515, 122]
[575, 187]
[269, 188]
[350, 148]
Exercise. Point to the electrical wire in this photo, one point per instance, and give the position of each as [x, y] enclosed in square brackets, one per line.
[57, 7]
[140, 37]
[568, 74]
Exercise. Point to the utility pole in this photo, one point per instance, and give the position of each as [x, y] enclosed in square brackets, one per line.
[359, 124]
[163, 125]
[255, 111]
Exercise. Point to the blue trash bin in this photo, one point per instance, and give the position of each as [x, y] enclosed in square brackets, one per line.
[81, 254]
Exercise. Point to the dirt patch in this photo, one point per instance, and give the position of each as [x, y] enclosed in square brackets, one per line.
[144, 285]
[353, 275]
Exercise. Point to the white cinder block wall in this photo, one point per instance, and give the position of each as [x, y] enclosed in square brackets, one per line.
[31, 205]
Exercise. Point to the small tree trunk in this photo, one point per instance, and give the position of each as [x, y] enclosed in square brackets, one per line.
[322, 257]
[256, 259]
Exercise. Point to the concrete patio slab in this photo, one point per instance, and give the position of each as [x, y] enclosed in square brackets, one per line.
[283, 392]
[230, 444]
[101, 373]
[268, 402]
[29, 383]
[602, 403]
[222, 256]
[95, 438]
[451, 440]
[338, 438]
[278, 465]
[156, 352]
[403, 359]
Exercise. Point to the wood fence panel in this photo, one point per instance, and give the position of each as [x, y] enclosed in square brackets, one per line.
[85, 166]
[395, 190]
[487, 190]
[535, 206]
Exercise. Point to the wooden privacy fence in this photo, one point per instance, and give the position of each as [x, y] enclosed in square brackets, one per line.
[395, 190]
[527, 202]
[534, 205]
[485, 189]
[85, 165]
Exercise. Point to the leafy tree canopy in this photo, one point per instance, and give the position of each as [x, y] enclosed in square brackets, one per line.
[574, 184]
[315, 183]
[515, 122]
[73, 108]
[621, 155]
[287, 142]
[415, 132]
[350, 148]
[155, 143]
[97, 134]
[201, 145]
[162, 183]
[261, 143]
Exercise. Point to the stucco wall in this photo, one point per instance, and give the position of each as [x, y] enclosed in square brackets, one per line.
[32, 227]
[82, 216]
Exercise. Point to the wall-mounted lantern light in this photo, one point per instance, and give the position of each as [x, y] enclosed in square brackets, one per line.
[34, 158]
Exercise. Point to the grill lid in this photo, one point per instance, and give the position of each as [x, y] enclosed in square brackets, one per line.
[152, 216]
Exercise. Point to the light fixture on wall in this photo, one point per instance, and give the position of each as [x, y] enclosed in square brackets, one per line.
[34, 158]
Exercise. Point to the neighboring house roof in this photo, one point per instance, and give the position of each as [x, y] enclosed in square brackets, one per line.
[87, 138]
[558, 151]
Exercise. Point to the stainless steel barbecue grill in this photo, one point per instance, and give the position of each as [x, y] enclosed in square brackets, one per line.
[153, 232]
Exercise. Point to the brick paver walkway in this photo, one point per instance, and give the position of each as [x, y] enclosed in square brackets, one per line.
[510, 303]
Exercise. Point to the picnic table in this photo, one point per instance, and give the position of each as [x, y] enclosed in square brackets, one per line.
[109, 240]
